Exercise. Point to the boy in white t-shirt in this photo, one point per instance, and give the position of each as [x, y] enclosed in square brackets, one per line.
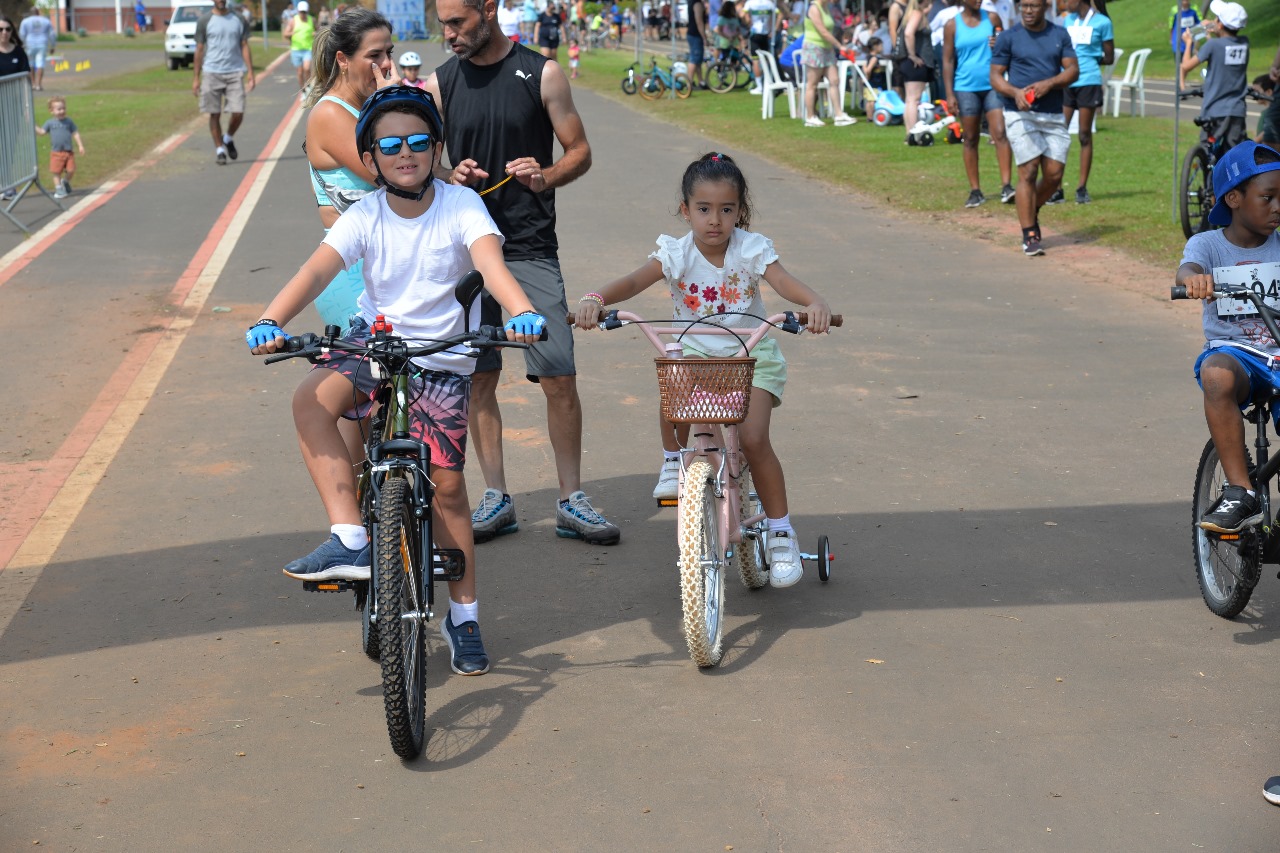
[416, 236]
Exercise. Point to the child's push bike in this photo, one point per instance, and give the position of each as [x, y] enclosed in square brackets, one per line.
[656, 81]
[720, 520]
[394, 492]
[1229, 565]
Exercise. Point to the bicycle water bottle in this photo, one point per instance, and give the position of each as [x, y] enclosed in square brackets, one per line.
[675, 349]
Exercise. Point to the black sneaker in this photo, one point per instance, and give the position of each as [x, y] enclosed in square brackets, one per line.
[1031, 246]
[1082, 196]
[1234, 510]
[975, 198]
[466, 649]
[1008, 194]
[231, 149]
[1058, 197]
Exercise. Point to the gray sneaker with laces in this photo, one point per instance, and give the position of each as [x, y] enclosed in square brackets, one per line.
[495, 516]
[577, 519]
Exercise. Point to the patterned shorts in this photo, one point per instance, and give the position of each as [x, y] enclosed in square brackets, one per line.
[438, 402]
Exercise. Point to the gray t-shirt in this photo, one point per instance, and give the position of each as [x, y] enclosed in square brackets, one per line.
[1228, 58]
[36, 31]
[222, 36]
[1210, 251]
[60, 131]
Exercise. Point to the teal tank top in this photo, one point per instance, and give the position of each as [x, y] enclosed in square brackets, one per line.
[339, 188]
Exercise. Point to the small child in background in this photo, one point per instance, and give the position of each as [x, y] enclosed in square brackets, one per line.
[62, 132]
[871, 64]
[1268, 131]
[409, 65]
[574, 53]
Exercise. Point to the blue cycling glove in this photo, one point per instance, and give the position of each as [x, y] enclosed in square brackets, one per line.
[528, 323]
[263, 332]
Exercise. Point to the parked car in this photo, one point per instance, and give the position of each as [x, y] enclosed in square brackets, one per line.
[180, 32]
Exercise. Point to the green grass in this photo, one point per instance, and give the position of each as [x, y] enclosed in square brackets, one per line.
[1130, 183]
[124, 116]
[1145, 23]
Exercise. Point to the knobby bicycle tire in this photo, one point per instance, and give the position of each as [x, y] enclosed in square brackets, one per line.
[369, 607]
[701, 567]
[1197, 192]
[1227, 570]
[402, 616]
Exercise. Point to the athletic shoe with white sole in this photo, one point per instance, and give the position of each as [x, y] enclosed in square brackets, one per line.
[495, 516]
[577, 519]
[330, 562]
[466, 649]
[668, 481]
[783, 554]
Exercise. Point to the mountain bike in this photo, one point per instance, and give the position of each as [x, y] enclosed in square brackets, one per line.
[1197, 198]
[1229, 565]
[720, 519]
[657, 81]
[731, 71]
[394, 492]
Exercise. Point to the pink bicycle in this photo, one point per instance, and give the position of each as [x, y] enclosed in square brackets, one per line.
[721, 522]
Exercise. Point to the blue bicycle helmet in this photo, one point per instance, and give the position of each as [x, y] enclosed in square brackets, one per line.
[400, 99]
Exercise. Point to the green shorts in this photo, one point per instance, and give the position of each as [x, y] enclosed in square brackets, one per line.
[771, 368]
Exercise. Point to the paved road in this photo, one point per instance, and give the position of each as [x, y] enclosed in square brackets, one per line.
[1001, 449]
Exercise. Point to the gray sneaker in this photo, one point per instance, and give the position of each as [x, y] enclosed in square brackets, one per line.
[577, 519]
[495, 516]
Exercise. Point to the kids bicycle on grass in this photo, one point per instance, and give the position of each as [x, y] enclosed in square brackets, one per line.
[714, 274]
[416, 236]
[1239, 361]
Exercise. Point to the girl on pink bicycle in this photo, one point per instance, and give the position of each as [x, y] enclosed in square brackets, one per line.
[714, 273]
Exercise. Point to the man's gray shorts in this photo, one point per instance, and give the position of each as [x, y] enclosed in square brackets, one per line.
[544, 286]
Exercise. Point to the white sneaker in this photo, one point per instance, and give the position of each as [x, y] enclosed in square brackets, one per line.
[668, 481]
[814, 121]
[785, 566]
[844, 120]
[757, 90]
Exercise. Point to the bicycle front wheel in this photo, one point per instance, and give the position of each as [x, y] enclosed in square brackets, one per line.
[1227, 569]
[629, 85]
[721, 78]
[1197, 192]
[652, 87]
[752, 566]
[701, 566]
[367, 601]
[402, 617]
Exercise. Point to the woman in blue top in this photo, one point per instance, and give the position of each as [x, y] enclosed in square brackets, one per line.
[966, 72]
[351, 60]
[1093, 39]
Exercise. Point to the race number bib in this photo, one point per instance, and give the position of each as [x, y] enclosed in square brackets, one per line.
[1235, 54]
[1081, 35]
[1262, 279]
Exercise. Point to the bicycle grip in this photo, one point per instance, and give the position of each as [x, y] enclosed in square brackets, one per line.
[803, 319]
[1178, 291]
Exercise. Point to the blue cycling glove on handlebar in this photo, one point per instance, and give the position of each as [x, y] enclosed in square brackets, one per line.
[528, 323]
[263, 332]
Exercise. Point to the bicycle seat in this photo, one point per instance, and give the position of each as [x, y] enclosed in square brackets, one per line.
[1201, 121]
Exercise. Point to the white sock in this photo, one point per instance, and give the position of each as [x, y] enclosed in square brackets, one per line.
[220, 150]
[781, 525]
[670, 456]
[462, 613]
[353, 536]
[226, 138]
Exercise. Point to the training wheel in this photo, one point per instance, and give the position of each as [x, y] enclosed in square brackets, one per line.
[824, 558]
[880, 118]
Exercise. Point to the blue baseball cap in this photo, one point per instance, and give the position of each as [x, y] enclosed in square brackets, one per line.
[1236, 166]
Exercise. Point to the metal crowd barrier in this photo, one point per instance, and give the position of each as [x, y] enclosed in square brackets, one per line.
[19, 171]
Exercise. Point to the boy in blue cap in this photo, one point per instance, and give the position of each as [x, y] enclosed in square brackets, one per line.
[1240, 358]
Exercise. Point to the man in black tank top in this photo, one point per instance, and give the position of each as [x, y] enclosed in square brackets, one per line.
[504, 107]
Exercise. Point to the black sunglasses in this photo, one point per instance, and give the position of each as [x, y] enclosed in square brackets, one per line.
[391, 145]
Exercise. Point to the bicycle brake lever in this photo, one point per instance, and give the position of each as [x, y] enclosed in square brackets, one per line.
[791, 324]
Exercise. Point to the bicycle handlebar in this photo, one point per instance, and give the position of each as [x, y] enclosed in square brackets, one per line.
[1179, 291]
[778, 320]
[788, 321]
[312, 346]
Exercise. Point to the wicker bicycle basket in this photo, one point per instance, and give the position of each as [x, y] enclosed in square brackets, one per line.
[705, 390]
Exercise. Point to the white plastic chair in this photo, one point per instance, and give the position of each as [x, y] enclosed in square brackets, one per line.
[1107, 71]
[1134, 80]
[772, 83]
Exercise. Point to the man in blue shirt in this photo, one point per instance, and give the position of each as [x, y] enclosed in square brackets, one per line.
[1040, 62]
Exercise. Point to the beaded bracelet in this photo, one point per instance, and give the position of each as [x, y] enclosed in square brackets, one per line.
[593, 297]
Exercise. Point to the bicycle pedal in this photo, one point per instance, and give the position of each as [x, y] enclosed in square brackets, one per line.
[450, 565]
[667, 502]
[330, 586]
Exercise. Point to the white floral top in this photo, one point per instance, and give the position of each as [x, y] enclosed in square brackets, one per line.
[701, 291]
